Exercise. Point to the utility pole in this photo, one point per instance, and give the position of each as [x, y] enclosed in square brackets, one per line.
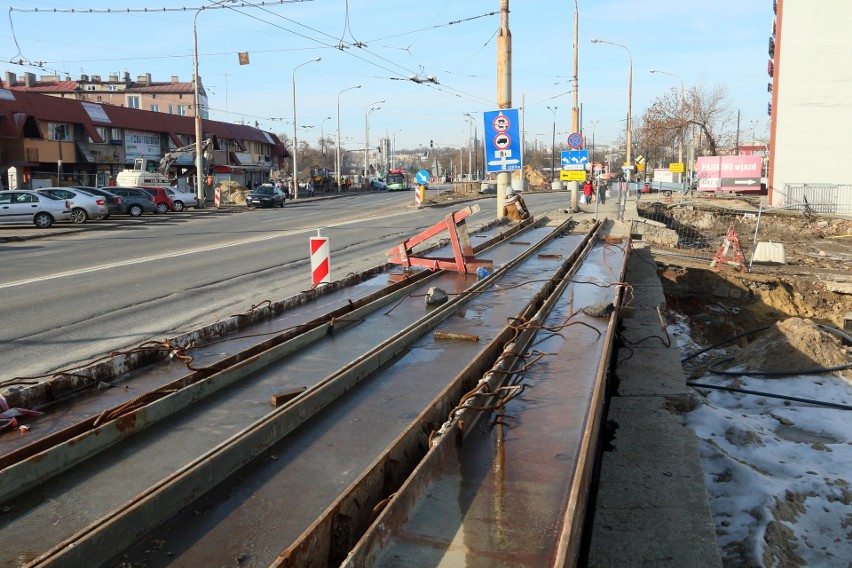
[504, 90]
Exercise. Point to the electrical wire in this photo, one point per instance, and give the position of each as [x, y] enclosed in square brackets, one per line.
[771, 395]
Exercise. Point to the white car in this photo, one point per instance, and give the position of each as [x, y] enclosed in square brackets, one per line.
[182, 199]
[19, 206]
[84, 205]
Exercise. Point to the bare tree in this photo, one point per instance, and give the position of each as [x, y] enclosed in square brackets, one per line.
[706, 110]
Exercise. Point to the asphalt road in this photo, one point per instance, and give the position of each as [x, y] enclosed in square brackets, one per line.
[69, 298]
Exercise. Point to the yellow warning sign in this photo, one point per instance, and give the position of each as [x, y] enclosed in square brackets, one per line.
[676, 167]
[572, 175]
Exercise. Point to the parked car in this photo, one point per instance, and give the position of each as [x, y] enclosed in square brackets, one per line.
[182, 199]
[24, 207]
[113, 202]
[162, 202]
[378, 184]
[135, 201]
[84, 205]
[265, 196]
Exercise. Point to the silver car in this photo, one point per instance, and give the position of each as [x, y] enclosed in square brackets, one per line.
[84, 205]
[20, 206]
[182, 199]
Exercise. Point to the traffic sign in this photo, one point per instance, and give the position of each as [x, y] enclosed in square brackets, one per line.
[572, 175]
[575, 167]
[422, 177]
[676, 167]
[575, 140]
[574, 157]
[502, 130]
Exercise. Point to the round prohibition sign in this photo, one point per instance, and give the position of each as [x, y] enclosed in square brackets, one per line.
[575, 140]
[502, 141]
[501, 123]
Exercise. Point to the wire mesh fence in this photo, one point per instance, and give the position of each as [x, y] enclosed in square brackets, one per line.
[701, 230]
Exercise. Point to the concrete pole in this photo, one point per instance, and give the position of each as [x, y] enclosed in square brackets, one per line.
[504, 90]
[573, 186]
[367, 138]
[199, 163]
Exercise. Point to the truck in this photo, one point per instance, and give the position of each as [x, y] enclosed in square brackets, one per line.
[154, 172]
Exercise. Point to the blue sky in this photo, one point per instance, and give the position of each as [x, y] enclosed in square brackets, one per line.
[385, 41]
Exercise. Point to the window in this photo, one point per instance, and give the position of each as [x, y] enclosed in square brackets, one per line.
[132, 101]
[115, 134]
[181, 110]
[90, 87]
[57, 131]
[102, 132]
[155, 108]
[100, 99]
[171, 109]
[112, 87]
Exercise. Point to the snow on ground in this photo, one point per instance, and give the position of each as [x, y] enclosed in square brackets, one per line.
[777, 471]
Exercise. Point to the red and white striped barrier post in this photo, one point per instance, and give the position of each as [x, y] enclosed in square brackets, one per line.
[217, 197]
[419, 195]
[320, 267]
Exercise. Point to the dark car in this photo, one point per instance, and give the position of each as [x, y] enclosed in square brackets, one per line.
[134, 201]
[113, 201]
[265, 196]
[162, 202]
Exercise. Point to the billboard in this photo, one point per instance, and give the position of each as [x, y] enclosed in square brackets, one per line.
[729, 173]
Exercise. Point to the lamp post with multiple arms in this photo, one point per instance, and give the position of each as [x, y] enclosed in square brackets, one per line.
[295, 140]
[553, 145]
[338, 173]
[629, 102]
[682, 121]
[471, 168]
[367, 138]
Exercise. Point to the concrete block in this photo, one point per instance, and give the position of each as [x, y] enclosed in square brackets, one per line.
[769, 252]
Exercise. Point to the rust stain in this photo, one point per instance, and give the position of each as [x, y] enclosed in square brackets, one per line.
[126, 422]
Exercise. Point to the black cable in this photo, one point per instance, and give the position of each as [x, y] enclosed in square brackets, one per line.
[706, 349]
[771, 395]
[818, 371]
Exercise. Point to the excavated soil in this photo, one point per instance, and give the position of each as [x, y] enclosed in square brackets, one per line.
[815, 283]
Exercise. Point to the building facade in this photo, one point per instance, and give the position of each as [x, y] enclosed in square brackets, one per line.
[811, 99]
[49, 140]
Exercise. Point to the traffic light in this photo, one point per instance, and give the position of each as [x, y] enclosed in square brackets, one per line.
[431, 144]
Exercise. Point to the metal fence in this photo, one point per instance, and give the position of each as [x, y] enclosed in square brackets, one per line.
[696, 230]
[823, 198]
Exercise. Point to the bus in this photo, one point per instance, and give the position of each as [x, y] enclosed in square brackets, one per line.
[397, 180]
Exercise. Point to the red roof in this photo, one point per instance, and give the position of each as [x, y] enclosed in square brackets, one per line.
[18, 105]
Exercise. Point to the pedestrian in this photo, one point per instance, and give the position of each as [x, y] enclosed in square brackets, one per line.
[519, 204]
[348, 183]
[587, 191]
[601, 192]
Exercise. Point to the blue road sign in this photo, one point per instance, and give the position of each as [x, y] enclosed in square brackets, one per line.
[502, 140]
[573, 157]
[422, 177]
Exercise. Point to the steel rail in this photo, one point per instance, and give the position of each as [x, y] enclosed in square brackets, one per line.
[118, 529]
[328, 540]
[402, 504]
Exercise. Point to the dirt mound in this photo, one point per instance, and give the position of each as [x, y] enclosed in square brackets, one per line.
[794, 344]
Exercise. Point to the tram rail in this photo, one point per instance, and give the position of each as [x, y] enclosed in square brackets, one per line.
[253, 448]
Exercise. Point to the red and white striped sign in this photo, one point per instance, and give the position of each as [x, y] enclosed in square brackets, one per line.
[418, 195]
[217, 197]
[320, 268]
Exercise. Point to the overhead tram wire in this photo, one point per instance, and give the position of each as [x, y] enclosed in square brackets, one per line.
[262, 5]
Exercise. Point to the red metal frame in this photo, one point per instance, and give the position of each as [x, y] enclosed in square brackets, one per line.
[463, 257]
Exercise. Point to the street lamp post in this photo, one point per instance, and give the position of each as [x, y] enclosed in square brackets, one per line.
[367, 138]
[322, 137]
[295, 140]
[393, 150]
[471, 167]
[629, 104]
[682, 121]
[553, 146]
[337, 162]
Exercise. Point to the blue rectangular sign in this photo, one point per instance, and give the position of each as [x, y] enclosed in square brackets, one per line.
[574, 157]
[502, 140]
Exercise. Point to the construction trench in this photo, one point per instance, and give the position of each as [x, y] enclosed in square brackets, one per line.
[283, 441]
[300, 433]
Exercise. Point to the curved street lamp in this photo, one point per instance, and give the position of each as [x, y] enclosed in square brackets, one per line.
[338, 173]
[629, 101]
[367, 138]
[553, 145]
[682, 121]
[295, 141]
